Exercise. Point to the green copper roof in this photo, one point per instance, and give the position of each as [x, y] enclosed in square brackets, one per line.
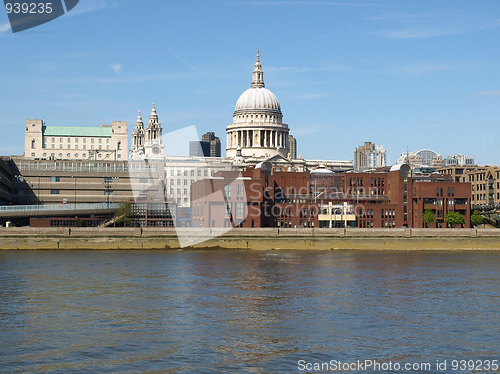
[76, 131]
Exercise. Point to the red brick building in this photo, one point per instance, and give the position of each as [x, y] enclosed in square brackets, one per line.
[261, 197]
[267, 197]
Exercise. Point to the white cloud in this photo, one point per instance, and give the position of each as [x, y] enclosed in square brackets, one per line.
[4, 28]
[93, 5]
[308, 3]
[489, 93]
[415, 33]
[117, 68]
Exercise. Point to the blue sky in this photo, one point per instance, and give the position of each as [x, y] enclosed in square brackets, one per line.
[422, 74]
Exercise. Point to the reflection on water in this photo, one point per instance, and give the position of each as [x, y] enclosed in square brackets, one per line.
[242, 311]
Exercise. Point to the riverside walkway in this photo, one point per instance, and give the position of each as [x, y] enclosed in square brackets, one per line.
[255, 239]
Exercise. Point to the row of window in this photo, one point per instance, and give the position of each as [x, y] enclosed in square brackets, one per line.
[451, 191]
[191, 172]
[84, 140]
[76, 155]
[482, 187]
[491, 196]
[76, 147]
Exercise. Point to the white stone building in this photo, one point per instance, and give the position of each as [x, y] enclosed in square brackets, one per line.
[75, 143]
[257, 126]
[147, 142]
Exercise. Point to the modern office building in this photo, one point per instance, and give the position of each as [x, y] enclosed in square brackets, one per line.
[209, 146]
[41, 182]
[425, 157]
[485, 181]
[458, 160]
[293, 146]
[6, 177]
[369, 156]
[199, 149]
[214, 144]
[181, 172]
[105, 142]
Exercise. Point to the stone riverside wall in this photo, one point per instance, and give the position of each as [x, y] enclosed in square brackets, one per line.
[257, 239]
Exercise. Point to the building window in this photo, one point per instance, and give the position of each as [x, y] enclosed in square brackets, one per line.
[69, 140]
[55, 192]
[53, 140]
[76, 140]
[60, 140]
[84, 155]
[100, 140]
[33, 144]
[55, 179]
[69, 146]
[53, 146]
[107, 140]
[76, 155]
[100, 146]
[119, 156]
[91, 140]
[76, 146]
[85, 140]
[68, 154]
[84, 146]
[119, 147]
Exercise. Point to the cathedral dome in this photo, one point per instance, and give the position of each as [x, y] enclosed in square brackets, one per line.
[258, 98]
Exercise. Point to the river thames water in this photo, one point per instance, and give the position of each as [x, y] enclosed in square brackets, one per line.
[248, 311]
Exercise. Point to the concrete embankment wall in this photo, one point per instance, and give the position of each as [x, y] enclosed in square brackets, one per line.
[257, 239]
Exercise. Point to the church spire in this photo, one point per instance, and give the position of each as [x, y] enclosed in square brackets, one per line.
[139, 123]
[153, 118]
[258, 74]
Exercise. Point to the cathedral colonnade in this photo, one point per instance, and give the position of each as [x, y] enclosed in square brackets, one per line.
[257, 138]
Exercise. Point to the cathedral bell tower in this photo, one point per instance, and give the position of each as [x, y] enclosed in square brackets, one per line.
[153, 145]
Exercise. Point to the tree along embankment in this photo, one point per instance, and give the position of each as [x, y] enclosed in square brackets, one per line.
[28, 238]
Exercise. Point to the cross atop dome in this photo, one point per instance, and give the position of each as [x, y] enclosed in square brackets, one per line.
[258, 74]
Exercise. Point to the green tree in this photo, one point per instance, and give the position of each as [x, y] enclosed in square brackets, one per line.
[476, 218]
[429, 217]
[454, 218]
[122, 214]
[80, 222]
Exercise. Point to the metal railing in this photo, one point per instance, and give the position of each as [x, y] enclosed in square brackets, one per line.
[59, 207]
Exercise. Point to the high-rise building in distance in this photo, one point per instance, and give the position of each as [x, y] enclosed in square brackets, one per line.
[214, 144]
[369, 156]
[208, 147]
[293, 146]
